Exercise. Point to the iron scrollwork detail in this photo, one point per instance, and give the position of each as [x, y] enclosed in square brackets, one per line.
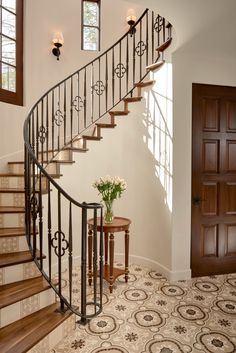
[120, 70]
[99, 87]
[158, 24]
[78, 103]
[59, 239]
[34, 207]
[140, 48]
[42, 134]
[58, 117]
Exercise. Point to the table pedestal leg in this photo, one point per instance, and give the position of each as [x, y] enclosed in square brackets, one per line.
[90, 253]
[111, 258]
[126, 255]
[106, 248]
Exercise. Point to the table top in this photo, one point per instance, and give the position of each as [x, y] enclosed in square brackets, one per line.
[119, 224]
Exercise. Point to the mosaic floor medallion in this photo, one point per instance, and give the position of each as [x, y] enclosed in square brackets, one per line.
[151, 315]
[227, 306]
[103, 325]
[149, 319]
[232, 281]
[191, 313]
[215, 342]
[108, 348]
[206, 286]
[172, 291]
[164, 345]
[135, 295]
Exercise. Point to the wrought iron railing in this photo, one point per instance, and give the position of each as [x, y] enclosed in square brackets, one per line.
[56, 224]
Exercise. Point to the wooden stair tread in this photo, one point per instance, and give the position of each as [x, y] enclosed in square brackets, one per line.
[119, 112]
[155, 66]
[23, 334]
[76, 149]
[16, 162]
[164, 45]
[105, 126]
[11, 209]
[133, 99]
[145, 83]
[63, 161]
[17, 291]
[15, 175]
[90, 137]
[11, 190]
[13, 232]
[15, 258]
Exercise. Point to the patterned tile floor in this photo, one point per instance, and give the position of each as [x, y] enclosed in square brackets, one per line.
[151, 315]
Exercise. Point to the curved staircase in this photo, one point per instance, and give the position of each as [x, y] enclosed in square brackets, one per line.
[36, 228]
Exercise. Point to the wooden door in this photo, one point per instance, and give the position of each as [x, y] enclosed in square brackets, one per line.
[213, 180]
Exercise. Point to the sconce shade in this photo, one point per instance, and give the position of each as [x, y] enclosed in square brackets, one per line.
[131, 20]
[58, 41]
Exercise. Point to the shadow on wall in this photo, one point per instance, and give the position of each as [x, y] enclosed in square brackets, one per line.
[158, 122]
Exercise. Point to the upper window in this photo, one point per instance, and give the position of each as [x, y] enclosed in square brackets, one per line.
[11, 51]
[90, 24]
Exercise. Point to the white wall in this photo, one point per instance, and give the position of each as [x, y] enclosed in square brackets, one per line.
[203, 53]
[41, 70]
[139, 150]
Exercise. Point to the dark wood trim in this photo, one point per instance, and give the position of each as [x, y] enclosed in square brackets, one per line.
[17, 97]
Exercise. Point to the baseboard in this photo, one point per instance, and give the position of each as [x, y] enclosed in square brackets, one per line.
[166, 272]
[139, 260]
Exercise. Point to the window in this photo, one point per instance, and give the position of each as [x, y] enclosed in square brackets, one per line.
[90, 24]
[11, 51]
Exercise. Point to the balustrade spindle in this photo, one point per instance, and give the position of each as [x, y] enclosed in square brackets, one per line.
[65, 115]
[40, 205]
[70, 249]
[86, 95]
[49, 232]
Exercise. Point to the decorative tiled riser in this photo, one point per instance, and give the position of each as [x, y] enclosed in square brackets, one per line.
[54, 337]
[12, 220]
[13, 244]
[11, 182]
[18, 272]
[26, 307]
[63, 155]
[16, 168]
[12, 199]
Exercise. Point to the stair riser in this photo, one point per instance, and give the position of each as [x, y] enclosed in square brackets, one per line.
[63, 155]
[12, 199]
[13, 244]
[18, 183]
[81, 143]
[12, 182]
[12, 220]
[26, 307]
[52, 168]
[54, 337]
[19, 272]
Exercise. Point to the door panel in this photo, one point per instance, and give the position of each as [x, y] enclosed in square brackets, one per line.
[213, 180]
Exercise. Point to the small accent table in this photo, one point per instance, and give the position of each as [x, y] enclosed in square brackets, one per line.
[110, 273]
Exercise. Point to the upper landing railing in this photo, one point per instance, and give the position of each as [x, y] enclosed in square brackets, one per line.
[56, 224]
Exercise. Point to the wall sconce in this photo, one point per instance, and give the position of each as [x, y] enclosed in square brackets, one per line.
[58, 41]
[131, 21]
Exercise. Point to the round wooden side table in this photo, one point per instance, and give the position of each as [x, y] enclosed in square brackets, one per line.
[110, 273]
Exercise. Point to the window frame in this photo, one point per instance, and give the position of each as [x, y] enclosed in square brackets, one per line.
[17, 96]
[83, 26]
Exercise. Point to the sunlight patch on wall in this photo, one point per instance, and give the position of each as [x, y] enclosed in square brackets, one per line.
[158, 121]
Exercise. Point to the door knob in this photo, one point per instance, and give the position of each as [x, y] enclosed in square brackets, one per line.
[197, 200]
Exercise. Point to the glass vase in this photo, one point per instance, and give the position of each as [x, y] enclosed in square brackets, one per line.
[108, 211]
